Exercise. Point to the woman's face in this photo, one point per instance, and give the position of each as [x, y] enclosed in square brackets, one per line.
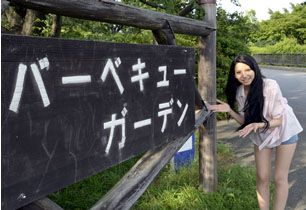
[244, 74]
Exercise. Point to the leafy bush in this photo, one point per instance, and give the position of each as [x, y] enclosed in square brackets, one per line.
[287, 45]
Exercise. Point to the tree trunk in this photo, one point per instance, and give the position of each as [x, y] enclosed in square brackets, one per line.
[56, 26]
[14, 20]
[33, 22]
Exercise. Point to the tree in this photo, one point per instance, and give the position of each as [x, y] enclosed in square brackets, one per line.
[30, 22]
[282, 25]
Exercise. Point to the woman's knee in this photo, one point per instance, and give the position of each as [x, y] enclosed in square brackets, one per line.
[263, 178]
[280, 179]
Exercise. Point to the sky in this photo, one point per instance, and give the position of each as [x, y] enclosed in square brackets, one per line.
[260, 6]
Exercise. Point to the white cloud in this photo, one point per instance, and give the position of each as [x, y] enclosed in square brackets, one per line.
[260, 6]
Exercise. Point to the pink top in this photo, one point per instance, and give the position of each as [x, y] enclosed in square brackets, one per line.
[275, 105]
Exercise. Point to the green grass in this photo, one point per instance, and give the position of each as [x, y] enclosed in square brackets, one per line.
[236, 187]
[84, 194]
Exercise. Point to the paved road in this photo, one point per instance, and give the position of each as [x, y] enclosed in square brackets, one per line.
[293, 86]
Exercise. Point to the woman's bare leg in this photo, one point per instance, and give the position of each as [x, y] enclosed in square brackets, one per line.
[283, 157]
[263, 170]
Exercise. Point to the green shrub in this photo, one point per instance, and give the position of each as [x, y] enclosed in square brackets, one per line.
[287, 45]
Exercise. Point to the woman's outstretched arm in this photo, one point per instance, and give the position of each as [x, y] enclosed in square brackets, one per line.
[224, 107]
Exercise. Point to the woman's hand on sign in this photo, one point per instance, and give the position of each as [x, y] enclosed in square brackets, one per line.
[221, 107]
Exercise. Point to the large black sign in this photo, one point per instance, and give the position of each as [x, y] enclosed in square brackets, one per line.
[73, 108]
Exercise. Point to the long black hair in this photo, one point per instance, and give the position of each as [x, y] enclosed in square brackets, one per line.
[253, 107]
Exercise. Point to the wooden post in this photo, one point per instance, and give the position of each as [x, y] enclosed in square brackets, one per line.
[164, 36]
[207, 89]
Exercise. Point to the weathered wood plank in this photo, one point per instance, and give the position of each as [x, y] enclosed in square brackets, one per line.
[42, 204]
[164, 36]
[73, 108]
[133, 184]
[117, 13]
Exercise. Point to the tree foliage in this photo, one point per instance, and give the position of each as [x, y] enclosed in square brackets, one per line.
[283, 32]
[287, 45]
[233, 34]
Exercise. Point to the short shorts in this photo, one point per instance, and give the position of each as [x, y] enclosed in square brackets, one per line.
[292, 140]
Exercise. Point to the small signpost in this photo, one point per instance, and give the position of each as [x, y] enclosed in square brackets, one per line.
[73, 108]
[185, 155]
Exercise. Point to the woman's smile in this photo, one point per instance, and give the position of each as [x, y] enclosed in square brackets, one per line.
[244, 74]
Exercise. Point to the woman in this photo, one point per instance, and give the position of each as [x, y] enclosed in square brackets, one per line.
[268, 120]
